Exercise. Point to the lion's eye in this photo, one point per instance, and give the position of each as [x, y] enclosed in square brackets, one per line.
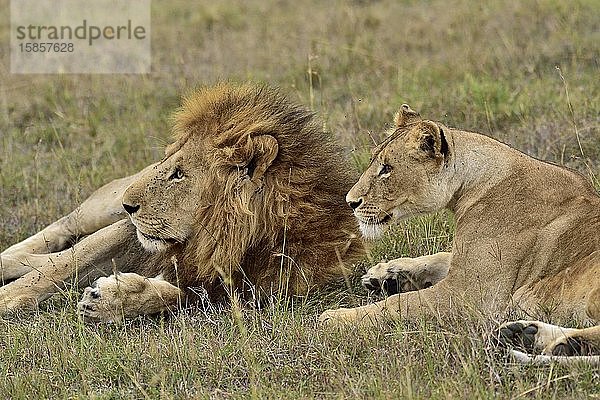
[177, 174]
[385, 169]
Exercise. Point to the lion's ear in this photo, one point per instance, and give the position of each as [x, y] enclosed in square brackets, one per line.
[264, 153]
[406, 116]
[253, 152]
[431, 141]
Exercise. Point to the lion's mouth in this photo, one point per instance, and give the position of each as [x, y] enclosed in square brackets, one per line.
[154, 243]
[150, 237]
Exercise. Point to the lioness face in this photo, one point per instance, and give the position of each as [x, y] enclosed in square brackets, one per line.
[404, 178]
[163, 202]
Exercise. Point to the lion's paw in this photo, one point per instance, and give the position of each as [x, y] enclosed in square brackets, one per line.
[364, 316]
[15, 297]
[520, 335]
[10, 304]
[100, 303]
[127, 295]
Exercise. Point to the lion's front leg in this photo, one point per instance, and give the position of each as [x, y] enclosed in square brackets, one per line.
[407, 274]
[127, 295]
[103, 208]
[87, 260]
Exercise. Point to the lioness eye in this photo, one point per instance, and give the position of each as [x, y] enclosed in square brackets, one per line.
[385, 169]
[177, 174]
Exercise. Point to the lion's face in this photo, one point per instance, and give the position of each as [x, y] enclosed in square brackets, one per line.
[162, 203]
[201, 184]
[405, 177]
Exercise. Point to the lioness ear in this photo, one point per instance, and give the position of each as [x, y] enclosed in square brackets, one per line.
[406, 116]
[432, 141]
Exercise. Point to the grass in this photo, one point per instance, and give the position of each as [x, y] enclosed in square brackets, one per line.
[489, 67]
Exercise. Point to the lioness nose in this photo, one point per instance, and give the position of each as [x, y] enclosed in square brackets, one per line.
[130, 209]
[355, 203]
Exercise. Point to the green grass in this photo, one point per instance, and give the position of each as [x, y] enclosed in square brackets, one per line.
[488, 67]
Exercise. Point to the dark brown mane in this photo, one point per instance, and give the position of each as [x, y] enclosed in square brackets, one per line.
[290, 231]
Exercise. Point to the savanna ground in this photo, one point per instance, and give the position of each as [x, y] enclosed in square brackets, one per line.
[489, 67]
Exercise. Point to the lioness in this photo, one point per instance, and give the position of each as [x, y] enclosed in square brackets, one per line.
[526, 234]
[249, 198]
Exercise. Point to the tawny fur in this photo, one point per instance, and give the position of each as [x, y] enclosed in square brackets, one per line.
[249, 198]
[526, 230]
[288, 229]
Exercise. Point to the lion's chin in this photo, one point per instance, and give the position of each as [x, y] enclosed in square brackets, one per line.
[153, 244]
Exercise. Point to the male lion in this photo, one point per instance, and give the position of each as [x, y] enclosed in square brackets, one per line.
[526, 234]
[249, 198]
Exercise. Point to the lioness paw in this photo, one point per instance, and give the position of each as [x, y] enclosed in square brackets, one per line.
[407, 274]
[10, 304]
[390, 278]
[364, 316]
[572, 344]
[519, 334]
[532, 335]
[16, 296]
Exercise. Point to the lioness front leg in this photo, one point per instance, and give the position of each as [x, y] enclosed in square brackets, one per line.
[103, 208]
[434, 301]
[407, 274]
[127, 295]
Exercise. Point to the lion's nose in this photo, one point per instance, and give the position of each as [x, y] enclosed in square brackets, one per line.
[130, 209]
[354, 204]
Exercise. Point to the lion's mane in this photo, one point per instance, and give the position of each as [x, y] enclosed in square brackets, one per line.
[290, 230]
